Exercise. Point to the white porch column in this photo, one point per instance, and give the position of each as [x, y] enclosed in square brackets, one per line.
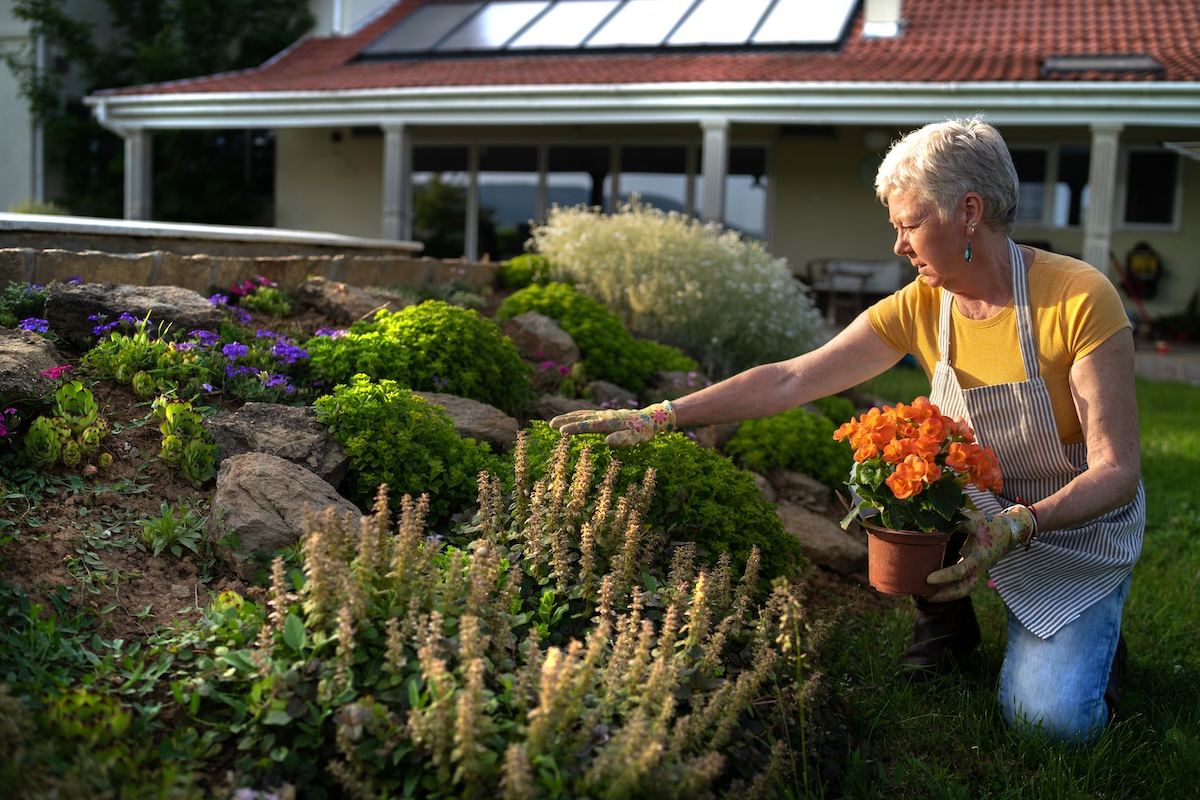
[138, 173]
[1102, 183]
[397, 194]
[713, 168]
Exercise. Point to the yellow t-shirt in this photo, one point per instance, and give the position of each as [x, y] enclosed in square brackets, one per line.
[1075, 308]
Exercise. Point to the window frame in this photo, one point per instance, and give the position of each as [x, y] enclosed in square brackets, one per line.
[1122, 190]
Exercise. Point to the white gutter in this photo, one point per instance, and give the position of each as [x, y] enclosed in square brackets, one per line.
[100, 111]
[1029, 103]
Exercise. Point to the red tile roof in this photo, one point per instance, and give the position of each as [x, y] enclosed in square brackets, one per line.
[943, 40]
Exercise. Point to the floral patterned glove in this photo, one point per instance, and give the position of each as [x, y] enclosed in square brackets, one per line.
[991, 537]
[623, 426]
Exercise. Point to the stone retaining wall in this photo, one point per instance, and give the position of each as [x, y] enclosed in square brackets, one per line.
[207, 274]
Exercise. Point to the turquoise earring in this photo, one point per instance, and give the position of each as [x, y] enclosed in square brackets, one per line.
[967, 254]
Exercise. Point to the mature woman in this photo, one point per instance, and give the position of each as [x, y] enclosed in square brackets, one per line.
[1035, 351]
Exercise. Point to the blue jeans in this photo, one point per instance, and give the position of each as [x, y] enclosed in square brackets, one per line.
[1055, 686]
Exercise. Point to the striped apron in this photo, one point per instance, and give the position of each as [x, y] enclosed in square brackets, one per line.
[1065, 571]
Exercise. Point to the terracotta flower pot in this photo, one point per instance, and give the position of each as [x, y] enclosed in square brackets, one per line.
[899, 561]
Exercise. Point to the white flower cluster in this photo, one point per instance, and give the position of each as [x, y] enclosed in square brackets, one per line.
[721, 297]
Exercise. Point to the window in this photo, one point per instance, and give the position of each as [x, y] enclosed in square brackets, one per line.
[657, 174]
[1054, 186]
[516, 183]
[440, 179]
[1151, 187]
[508, 195]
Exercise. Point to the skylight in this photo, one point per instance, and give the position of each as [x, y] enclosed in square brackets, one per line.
[462, 26]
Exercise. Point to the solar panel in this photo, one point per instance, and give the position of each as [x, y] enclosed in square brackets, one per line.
[720, 22]
[494, 25]
[566, 25]
[452, 26]
[423, 28]
[640, 23]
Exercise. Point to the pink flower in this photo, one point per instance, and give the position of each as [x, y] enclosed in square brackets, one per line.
[54, 373]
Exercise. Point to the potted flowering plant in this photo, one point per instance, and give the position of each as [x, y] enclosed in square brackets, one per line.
[912, 465]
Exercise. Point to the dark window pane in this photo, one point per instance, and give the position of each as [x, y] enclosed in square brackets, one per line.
[1031, 172]
[1150, 188]
[1071, 200]
[577, 176]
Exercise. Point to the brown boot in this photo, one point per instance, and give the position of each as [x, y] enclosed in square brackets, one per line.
[945, 633]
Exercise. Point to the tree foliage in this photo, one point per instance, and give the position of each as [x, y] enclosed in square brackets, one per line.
[199, 176]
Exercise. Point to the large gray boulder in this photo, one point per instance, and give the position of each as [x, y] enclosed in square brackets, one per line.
[823, 540]
[542, 337]
[24, 356]
[289, 432]
[342, 303]
[74, 310]
[476, 420]
[261, 500]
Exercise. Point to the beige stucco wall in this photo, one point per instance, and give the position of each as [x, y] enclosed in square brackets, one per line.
[824, 207]
[327, 185]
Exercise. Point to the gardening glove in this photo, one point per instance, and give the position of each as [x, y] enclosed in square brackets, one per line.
[991, 536]
[623, 426]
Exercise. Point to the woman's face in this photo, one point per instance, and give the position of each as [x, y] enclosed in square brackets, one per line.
[934, 247]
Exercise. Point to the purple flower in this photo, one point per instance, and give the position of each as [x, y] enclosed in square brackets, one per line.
[36, 325]
[234, 370]
[219, 299]
[564, 370]
[263, 334]
[332, 333]
[127, 317]
[206, 387]
[100, 330]
[275, 380]
[185, 345]
[440, 383]
[545, 365]
[287, 353]
[205, 338]
[234, 350]
[77, 280]
[242, 314]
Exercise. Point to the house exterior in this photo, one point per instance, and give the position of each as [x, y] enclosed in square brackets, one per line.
[767, 115]
[25, 173]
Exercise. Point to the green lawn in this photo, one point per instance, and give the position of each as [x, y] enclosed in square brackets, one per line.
[946, 739]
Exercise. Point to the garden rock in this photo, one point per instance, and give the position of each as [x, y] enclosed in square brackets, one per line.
[262, 500]
[668, 384]
[24, 356]
[288, 432]
[823, 540]
[344, 304]
[476, 420]
[73, 310]
[799, 488]
[550, 406]
[609, 395]
[715, 437]
[542, 336]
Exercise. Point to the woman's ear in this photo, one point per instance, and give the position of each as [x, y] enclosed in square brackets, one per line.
[972, 205]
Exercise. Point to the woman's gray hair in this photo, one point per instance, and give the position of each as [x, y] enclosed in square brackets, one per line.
[943, 161]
